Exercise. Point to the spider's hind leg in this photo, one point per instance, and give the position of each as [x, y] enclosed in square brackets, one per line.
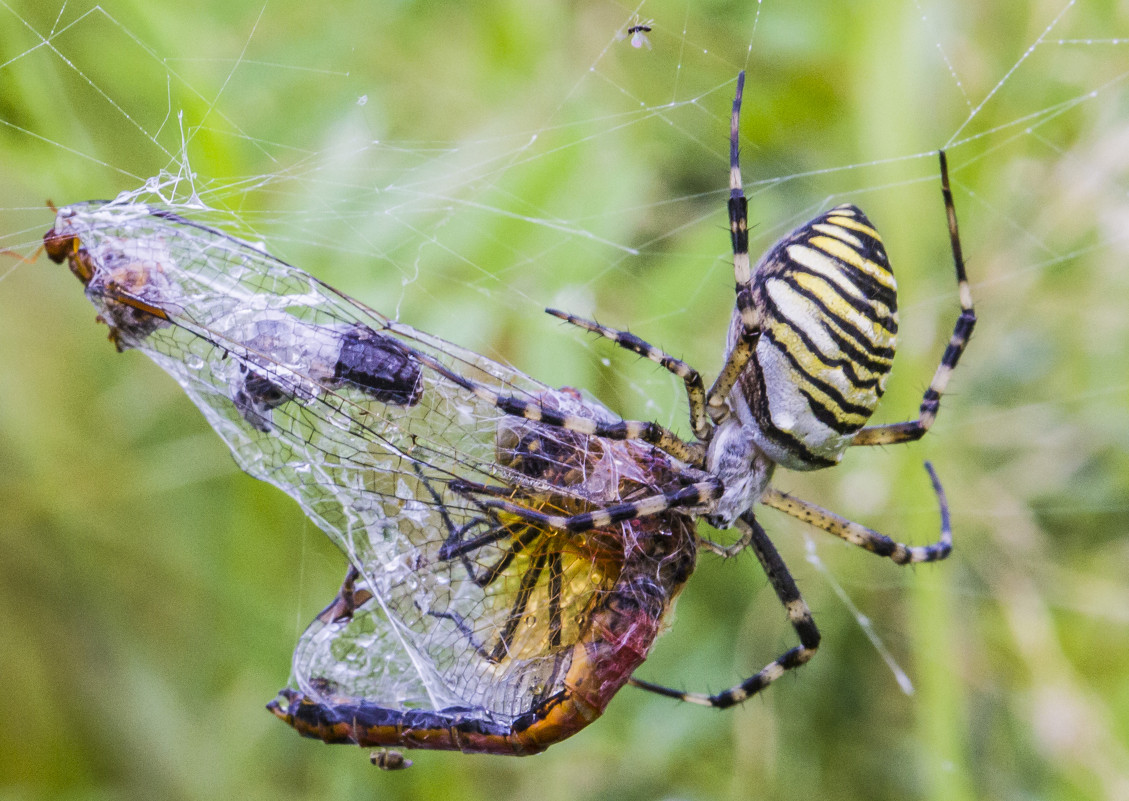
[798, 615]
[866, 538]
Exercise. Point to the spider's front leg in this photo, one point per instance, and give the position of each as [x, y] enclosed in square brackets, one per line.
[711, 406]
[695, 390]
[742, 348]
[698, 494]
[650, 432]
[931, 403]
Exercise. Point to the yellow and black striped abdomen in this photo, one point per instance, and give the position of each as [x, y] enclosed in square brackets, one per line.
[828, 309]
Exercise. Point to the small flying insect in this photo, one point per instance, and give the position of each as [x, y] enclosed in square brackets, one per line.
[513, 548]
[637, 29]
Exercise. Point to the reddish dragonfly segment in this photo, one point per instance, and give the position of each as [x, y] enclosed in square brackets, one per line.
[618, 638]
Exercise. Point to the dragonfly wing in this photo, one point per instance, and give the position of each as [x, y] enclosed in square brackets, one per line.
[366, 422]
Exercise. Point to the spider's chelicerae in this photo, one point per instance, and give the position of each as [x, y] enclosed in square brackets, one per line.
[810, 347]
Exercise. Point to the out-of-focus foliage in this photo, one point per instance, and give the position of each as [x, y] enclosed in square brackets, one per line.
[150, 594]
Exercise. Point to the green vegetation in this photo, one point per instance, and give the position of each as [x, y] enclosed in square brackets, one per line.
[150, 594]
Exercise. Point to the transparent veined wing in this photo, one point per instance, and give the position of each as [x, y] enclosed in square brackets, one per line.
[452, 610]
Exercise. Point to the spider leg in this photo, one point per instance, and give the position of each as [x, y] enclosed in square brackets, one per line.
[798, 615]
[726, 551]
[695, 390]
[693, 495]
[962, 331]
[742, 351]
[864, 537]
[650, 432]
[738, 358]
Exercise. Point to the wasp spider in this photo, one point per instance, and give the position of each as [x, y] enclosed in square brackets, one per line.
[809, 351]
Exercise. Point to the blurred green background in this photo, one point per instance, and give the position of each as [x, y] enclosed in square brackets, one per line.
[463, 165]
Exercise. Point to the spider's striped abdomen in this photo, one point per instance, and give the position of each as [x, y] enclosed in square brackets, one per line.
[827, 301]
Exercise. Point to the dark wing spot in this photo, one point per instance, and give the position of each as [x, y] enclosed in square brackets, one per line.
[379, 366]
